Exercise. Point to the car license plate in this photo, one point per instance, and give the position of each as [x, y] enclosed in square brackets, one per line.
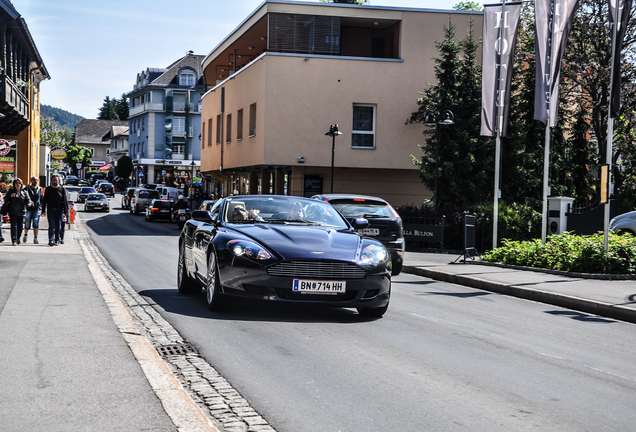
[370, 231]
[182, 217]
[319, 287]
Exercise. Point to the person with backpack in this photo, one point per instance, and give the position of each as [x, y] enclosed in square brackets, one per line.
[54, 205]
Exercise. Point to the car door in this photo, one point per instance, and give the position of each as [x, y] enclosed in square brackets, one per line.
[202, 237]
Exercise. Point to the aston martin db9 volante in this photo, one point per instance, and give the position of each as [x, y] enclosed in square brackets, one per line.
[284, 249]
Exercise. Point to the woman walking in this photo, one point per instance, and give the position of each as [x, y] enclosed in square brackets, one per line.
[18, 202]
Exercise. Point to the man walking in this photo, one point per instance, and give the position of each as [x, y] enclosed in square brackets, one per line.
[54, 205]
[33, 213]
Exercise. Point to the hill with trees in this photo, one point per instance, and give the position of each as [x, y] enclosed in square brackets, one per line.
[63, 119]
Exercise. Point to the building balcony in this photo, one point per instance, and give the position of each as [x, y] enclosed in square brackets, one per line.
[148, 106]
[14, 105]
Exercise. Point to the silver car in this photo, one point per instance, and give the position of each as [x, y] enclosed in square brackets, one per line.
[625, 223]
[141, 199]
[96, 202]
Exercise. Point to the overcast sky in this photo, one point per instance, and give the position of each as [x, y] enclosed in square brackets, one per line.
[96, 48]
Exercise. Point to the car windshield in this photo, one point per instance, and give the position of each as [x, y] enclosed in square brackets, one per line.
[363, 208]
[97, 197]
[162, 204]
[88, 190]
[147, 194]
[282, 210]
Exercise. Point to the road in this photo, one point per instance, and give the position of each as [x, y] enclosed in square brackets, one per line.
[444, 357]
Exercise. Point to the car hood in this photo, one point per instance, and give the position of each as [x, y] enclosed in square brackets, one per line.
[303, 242]
[625, 218]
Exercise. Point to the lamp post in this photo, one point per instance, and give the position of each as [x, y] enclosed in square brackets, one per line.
[333, 133]
[446, 117]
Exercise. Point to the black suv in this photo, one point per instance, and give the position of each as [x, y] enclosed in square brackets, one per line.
[83, 193]
[106, 189]
[385, 225]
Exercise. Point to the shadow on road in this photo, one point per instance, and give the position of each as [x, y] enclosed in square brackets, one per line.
[248, 310]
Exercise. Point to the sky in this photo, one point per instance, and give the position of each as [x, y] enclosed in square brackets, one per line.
[96, 48]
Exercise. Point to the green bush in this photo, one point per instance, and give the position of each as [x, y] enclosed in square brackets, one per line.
[570, 252]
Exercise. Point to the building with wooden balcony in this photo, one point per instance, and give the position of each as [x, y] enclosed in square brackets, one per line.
[292, 69]
[21, 73]
[164, 119]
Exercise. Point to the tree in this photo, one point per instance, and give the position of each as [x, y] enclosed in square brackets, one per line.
[468, 6]
[78, 155]
[53, 137]
[465, 159]
[124, 167]
[114, 109]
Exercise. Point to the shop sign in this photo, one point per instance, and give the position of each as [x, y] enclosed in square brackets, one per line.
[58, 153]
[7, 164]
[5, 146]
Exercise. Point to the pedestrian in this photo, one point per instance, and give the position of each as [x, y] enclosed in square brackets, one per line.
[33, 212]
[2, 213]
[18, 203]
[54, 205]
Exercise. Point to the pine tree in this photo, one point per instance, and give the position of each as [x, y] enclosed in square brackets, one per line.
[465, 165]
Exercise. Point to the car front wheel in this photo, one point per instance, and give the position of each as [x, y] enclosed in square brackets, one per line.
[213, 287]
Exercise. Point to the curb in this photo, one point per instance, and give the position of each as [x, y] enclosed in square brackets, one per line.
[582, 305]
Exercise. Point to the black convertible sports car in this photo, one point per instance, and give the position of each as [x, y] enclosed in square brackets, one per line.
[285, 249]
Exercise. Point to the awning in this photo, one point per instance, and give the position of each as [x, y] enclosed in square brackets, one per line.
[105, 167]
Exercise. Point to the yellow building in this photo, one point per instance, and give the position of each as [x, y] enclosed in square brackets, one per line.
[20, 78]
[290, 70]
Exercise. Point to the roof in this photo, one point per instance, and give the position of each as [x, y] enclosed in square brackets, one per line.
[165, 77]
[116, 131]
[89, 132]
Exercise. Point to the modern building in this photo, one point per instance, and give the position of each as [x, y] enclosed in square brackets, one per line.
[165, 122]
[292, 69]
[21, 74]
[95, 135]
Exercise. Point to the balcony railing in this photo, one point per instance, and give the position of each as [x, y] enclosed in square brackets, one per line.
[160, 106]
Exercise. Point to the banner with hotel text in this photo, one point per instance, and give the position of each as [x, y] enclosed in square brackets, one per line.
[501, 24]
[553, 21]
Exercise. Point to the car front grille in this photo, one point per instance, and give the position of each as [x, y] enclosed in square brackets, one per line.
[317, 270]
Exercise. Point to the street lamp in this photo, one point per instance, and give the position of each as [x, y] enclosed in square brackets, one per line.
[444, 118]
[333, 133]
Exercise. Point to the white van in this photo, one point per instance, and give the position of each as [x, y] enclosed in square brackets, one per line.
[168, 193]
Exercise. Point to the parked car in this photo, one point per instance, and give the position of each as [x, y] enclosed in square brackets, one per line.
[71, 180]
[125, 198]
[96, 202]
[107, 189]
[385, 224]
[84, 192]
[285, 249]
[158, 209]
[624, 223]
[141, 199]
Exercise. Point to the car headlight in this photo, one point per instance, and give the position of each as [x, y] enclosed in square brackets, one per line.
[372, 256]
[248, 249]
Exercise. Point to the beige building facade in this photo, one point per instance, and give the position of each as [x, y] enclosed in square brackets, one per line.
[292, 69]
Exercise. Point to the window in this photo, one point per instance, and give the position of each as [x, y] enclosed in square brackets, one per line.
[178, 149]
[228, 128]
[187, 78]
[178, 126]
[218, 129]
[252, 130]
[239, 125]
[179, 101]
[203, 136]
[363, 130]
[209, 132]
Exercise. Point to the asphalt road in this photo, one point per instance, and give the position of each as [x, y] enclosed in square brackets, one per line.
[443, 358]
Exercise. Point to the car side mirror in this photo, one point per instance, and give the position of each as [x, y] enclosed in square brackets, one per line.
[202, 216]
[359, 223]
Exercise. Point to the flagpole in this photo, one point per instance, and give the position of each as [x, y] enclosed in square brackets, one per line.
[546, 156]
[610, 134]
[495, 209]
